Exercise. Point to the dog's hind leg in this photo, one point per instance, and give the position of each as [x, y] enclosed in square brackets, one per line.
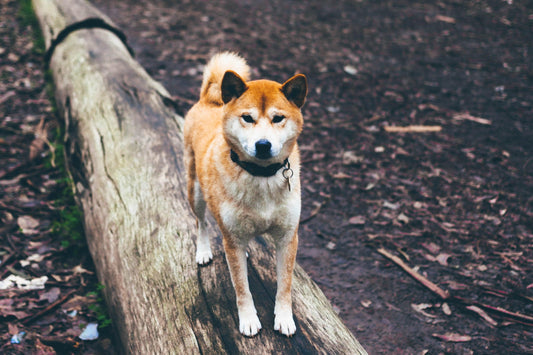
[197, 202]
[203, 246]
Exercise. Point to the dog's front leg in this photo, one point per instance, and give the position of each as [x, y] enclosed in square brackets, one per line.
[286, 256]
[249, 323]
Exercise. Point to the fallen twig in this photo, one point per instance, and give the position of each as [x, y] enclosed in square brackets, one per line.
[503, 294]
[5, 262]
[412, 129]
[469, 117]
[313, 214]
[6, 96]
[45, 310]
[483, 315]
[444, 295]
[60, 340]
[502, 312]
[468, 303]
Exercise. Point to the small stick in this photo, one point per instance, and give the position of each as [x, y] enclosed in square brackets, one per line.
[45, 310]
[60, 340]
[524, 318]
[313, 214]
[8, 259]
[412, 129]
[482, 314]
[444, 295]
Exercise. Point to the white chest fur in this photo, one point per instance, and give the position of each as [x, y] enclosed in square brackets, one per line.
[261, 205]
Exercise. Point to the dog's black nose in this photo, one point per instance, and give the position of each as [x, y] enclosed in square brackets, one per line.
[262, 149]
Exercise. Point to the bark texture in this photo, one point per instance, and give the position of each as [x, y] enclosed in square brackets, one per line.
[124, 147]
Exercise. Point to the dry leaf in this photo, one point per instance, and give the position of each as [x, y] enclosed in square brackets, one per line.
[366, 303]
[28, 224]
[391, 206]
[11, 312]
[357, 220]
[453, 337]
[442, 259]
[350, 69]
[77, 303]
[51, 296]
[370, 186]
[403, 218]
[431, 247]
[12, 329]
[349, 157]
[37, 146]
[80, 270]
[37, 258]
[446, 309]
[43, 349]
[420, 309]
[12, 57]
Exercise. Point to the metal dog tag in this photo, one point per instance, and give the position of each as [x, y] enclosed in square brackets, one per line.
[288, 174]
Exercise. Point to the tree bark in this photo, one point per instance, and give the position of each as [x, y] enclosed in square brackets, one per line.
[124, 148]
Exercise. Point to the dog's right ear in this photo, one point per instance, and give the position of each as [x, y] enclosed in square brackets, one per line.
[232, 86]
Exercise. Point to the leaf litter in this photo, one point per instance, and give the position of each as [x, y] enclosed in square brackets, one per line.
[38, 276]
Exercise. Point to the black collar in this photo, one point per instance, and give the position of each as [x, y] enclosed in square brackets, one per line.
[258, 170]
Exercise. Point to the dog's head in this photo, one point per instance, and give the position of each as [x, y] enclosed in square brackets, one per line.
[262, 118]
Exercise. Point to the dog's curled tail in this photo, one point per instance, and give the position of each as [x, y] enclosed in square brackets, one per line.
[214, 72]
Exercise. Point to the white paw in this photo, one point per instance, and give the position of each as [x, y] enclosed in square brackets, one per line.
[249, 324]
[284, 323]
[203, 257]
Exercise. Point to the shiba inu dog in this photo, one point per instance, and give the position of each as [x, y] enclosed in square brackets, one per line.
[243, 164]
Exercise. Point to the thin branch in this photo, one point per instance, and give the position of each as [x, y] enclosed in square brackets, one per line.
[45, 310]
[313, 214]
[444, 295]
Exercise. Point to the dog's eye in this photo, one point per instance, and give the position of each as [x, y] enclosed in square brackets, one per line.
[278, 118]
[247, 118]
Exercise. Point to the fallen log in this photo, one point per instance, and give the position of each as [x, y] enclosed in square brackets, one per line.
[124, 149]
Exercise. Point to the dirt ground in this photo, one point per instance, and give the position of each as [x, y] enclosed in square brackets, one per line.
[456, 205]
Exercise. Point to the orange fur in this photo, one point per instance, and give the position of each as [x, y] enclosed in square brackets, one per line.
[245, 205]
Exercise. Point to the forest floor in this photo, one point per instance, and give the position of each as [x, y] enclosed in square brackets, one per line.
[453, 200]
[49, 292]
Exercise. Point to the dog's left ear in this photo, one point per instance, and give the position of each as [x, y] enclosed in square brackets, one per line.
[295, 89]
